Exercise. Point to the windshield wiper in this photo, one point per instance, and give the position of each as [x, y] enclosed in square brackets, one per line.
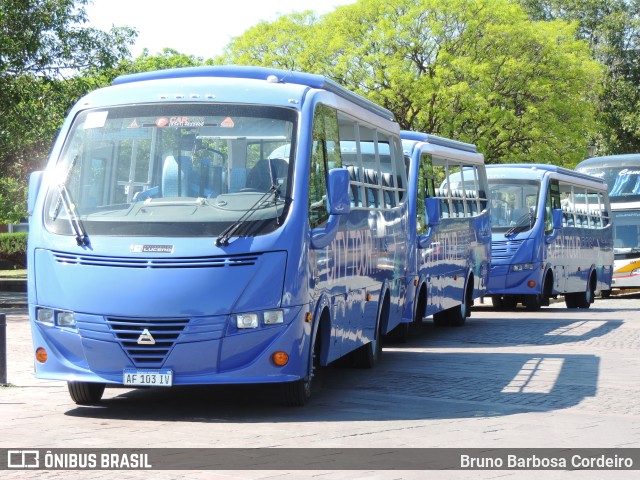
[525, 222]
[74, 220]
[56, 209]
[227, 233]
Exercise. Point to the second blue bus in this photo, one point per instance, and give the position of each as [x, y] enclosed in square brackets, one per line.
[449, 229]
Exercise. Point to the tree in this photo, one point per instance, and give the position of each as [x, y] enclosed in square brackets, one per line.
[612, 29]
[475, 70]
[43, 43]
[279, 44]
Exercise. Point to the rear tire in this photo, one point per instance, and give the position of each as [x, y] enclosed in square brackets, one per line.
[458, 315]
[586, 298]
[367, 356]
[441, 319]
[86, 393]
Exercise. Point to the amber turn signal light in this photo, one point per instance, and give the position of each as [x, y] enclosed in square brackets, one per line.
[280, 358]
[41, 355]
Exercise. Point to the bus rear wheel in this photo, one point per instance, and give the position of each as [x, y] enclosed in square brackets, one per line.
[457, 316]
[582, 299]
[86, 393]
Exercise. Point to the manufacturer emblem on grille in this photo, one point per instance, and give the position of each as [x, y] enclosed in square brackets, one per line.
[146, 338]
[151, 248]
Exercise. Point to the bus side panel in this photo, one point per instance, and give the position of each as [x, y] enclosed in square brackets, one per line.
[367, 253]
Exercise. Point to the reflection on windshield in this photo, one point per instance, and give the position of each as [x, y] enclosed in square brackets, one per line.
[623, 182]
[513, 204]
[627, 227]
[181, 169]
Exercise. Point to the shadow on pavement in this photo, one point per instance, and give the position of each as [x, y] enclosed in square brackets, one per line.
[407, 385]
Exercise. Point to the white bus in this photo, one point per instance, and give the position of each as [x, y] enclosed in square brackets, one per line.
[622, 175]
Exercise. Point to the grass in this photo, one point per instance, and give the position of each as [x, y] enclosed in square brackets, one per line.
[17, 274]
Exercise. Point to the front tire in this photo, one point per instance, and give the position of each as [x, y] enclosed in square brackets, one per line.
[86, 393]
[298, 393]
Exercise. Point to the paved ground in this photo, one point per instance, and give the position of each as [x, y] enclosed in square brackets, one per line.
[554, 378]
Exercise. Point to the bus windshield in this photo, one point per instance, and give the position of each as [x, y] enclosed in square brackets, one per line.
[623, 182]
[182, 169]
[513, 203]
[627, 238]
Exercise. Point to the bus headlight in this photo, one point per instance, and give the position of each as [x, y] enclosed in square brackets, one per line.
[247, 320]
[271, 317]
[522, 266]
[45, 315]
[66, 319]
[253, 320]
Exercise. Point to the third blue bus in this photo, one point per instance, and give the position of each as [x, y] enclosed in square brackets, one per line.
[551, 235]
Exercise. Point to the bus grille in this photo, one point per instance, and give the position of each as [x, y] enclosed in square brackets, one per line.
[505, 249]
[135, 262]
[165, 333]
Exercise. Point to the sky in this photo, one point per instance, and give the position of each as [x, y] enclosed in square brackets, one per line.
[194, 27]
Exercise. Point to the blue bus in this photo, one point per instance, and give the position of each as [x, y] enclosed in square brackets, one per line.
[449, 229]
[216, 225]
[551, 235]
[622, 175]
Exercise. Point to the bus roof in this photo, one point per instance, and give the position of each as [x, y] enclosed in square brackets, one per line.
[626, 160]
[530, 170]
[435, 140]
[270, 75]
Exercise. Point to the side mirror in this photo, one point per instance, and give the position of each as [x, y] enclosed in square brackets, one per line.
[35, 180]
[338, 204]
[338, 192]
[556, 218]
[432, 207]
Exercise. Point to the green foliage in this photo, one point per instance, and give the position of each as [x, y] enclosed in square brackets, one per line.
[612, 29]
[13, 248]
[475, 70]
[43, 45]
[13, 202]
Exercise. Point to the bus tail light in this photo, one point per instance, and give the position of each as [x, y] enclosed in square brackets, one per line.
[531, 283]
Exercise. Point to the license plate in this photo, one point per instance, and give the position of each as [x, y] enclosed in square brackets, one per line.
[147, 378]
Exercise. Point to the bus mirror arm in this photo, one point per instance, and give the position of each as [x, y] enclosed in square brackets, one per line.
[35, 180]
[432, 208]
[339, 204]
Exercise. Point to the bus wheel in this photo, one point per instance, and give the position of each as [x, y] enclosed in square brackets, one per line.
[536, 301]
[497, 302]
[298, 393]
[457, 316]
[368, 355]
[86, 393]
[533, 302]
[571, 299]
[440, 319]
[586, 298]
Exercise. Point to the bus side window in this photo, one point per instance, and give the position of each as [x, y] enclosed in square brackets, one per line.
[425, 182]
[324, 146]
[552, 202]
